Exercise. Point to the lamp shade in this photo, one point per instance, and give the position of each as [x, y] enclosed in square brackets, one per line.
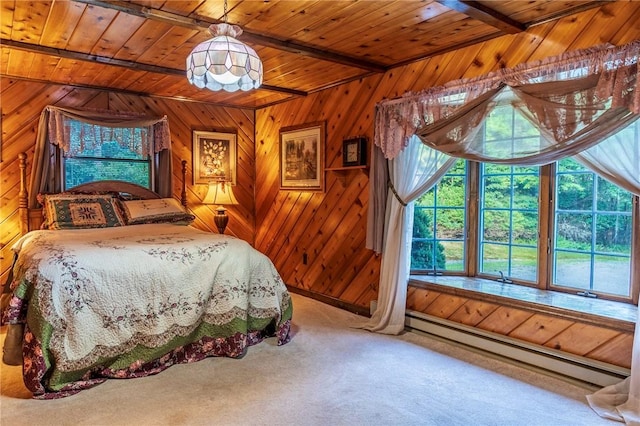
[223, 62]
[219, 193]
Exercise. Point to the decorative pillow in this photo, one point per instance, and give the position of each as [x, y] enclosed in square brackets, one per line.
[161, 210]
[68, 211]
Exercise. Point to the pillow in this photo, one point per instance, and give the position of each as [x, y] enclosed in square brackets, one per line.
[160, 210]
[69, 211]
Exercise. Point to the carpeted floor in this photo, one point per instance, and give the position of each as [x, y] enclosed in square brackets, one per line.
[329, 374]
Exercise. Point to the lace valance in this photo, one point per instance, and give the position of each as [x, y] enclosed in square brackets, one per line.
[607, 80]
[142, 135]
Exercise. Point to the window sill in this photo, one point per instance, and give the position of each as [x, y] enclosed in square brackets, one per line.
[617, 315]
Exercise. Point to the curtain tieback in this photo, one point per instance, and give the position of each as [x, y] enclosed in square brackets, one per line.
[395, 193]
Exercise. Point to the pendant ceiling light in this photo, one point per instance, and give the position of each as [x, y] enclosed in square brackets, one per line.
[223, 62]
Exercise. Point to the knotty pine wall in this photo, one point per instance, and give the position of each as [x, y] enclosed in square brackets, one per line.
[23, 101]
[330, 227]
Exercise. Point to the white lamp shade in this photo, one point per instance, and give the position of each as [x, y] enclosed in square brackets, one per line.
[219, 193]
[224, 63]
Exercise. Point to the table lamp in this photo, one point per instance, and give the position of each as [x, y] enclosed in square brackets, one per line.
[220, 194]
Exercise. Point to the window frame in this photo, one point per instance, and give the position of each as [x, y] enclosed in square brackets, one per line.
[464, 239]
[510, 244]
[546, 212]
[151, 160]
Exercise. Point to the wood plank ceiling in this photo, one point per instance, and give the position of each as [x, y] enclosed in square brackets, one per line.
[140, 46]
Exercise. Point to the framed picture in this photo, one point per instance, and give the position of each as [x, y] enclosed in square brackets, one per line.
[214, 157]
[302, 157]
[354, 152]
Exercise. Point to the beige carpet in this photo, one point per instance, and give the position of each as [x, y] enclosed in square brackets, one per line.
[329, 374]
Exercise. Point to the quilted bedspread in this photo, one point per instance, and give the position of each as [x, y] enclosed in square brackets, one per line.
[130, 301]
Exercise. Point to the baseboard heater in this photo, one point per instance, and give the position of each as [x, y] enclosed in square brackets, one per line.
[572, 367]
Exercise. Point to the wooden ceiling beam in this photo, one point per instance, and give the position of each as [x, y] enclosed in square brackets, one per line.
[248, 36]
[570, 11]
[480, 12]
[70, 54]
[126, 92]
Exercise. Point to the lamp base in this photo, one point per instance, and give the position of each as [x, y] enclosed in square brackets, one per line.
[221, 219]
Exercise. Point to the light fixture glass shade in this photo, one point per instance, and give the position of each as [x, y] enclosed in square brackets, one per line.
[223, 62]
[219, 193]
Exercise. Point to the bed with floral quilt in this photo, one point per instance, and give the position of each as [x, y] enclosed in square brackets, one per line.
[127, 301]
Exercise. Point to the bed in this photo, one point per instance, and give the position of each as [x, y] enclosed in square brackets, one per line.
[86, 303]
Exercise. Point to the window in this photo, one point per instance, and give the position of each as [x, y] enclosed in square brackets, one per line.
[439, 224]
[509, 221]
[593, 228]
[557, 227]
[104, 153]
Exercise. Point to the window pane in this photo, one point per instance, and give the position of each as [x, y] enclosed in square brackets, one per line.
[499, 125]
[494, 258]
[522, 127]
[90, 140]
[496, 226]
[427, 199]
[613, 233]
[593, 230]
[525, 228]
[104, 153]
[423, 253]
[497, 191]
[79, 171]
[524, 263]
[451, 224]
[454, 255]
[612, 198]
[573, 231]
[509, 215]
[575, 191]
[570, 269]
[611, 274]
[439, 221]
[526, 191]
[422, 222]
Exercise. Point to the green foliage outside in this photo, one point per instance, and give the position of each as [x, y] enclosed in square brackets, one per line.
[422, 251]
[579, 214]
[109, 160]
[592, 215]
[450, 221]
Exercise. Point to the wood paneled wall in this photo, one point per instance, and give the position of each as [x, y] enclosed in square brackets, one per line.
[23, 101]
[330, 227]
[594, 340]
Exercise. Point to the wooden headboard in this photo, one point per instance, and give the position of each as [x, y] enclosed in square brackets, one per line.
[31, 219]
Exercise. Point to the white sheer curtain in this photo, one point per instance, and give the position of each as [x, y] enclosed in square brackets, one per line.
[621, 402]
[411, 173]
[617, 159]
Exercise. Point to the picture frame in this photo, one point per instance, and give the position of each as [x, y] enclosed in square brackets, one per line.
[302, 157]
[214, 157]
[354, 152]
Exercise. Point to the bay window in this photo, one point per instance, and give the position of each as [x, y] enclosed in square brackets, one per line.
[556, 227]
[586, 238]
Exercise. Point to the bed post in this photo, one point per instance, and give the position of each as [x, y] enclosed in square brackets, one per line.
[23, 195]
[183, 193]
